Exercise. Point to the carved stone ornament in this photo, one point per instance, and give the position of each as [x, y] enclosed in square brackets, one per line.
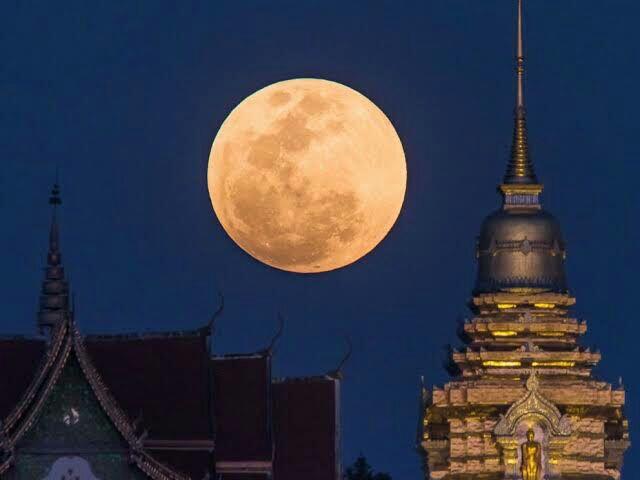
[533, 403]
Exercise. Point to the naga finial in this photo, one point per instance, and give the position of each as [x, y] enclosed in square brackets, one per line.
[212, 322]
[337, 372]
[276, 337]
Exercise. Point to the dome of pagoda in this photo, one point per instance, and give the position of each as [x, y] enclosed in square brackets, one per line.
[520, 248]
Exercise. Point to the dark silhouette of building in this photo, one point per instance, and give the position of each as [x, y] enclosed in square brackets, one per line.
[154, 405]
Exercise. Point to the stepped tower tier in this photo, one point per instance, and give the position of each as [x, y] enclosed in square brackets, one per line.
[523, 402]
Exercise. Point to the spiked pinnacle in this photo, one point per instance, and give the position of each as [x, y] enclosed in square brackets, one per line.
[520, 170]
[520, 246]
[54, 296]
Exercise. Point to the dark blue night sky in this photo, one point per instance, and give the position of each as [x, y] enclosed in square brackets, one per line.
[126, 97]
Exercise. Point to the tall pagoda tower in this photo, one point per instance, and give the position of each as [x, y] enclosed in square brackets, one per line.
[522, 402]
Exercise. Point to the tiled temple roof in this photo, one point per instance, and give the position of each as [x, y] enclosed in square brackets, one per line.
[149, 375]
[305, 408]
[195, 464]
[65, 342]
[246, 476]
[152, 335]
[182, 412]
[242, 392]
[21, 358]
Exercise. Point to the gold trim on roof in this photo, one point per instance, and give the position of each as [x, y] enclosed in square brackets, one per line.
[521, 188]
[48, 360]
[66, 340]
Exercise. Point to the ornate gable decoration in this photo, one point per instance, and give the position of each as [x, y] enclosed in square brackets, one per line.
[533, 404]
[67, 339]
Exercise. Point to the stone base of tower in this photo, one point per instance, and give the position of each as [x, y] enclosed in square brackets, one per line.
[462, 438]
[522, 370]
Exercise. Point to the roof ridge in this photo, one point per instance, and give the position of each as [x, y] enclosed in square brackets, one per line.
[196, 332]
[310, 378]
[231, 356]
[22, 336]
[46, 363]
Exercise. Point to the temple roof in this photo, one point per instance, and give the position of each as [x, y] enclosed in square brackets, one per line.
[195, 464]
[306, 408]
[242, 386]
[182, 413]
[246, 476]
[23, 355]
[66, 342]
[253, 415]
[165, 376]
[165, 368]
[170, 370]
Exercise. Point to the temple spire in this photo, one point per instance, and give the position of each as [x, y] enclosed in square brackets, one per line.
[54, 296]
[54, 236]
[520, 61]
[520, 168]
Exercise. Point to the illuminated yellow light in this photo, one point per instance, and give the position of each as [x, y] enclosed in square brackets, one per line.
[544, 305]
[551, 334]
[505, 306]
[504, 333]
[553, 364]
[512, 461]
[553, 461]
[497, 363]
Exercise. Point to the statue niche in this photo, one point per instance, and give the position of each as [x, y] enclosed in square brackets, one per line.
[531, 466]
[531, 434]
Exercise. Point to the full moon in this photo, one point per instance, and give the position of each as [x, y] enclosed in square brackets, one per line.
[307, 175]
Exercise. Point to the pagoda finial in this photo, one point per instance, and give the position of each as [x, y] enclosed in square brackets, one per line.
[54, 297]
[54, 201]
[520, 61]
[520, 168]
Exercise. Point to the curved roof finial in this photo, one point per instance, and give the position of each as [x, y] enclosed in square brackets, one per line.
[337, 372]
[520, 168]
[212, 321]
[276, 337]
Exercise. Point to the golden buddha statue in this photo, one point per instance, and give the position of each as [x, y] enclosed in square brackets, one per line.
[531, 467]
